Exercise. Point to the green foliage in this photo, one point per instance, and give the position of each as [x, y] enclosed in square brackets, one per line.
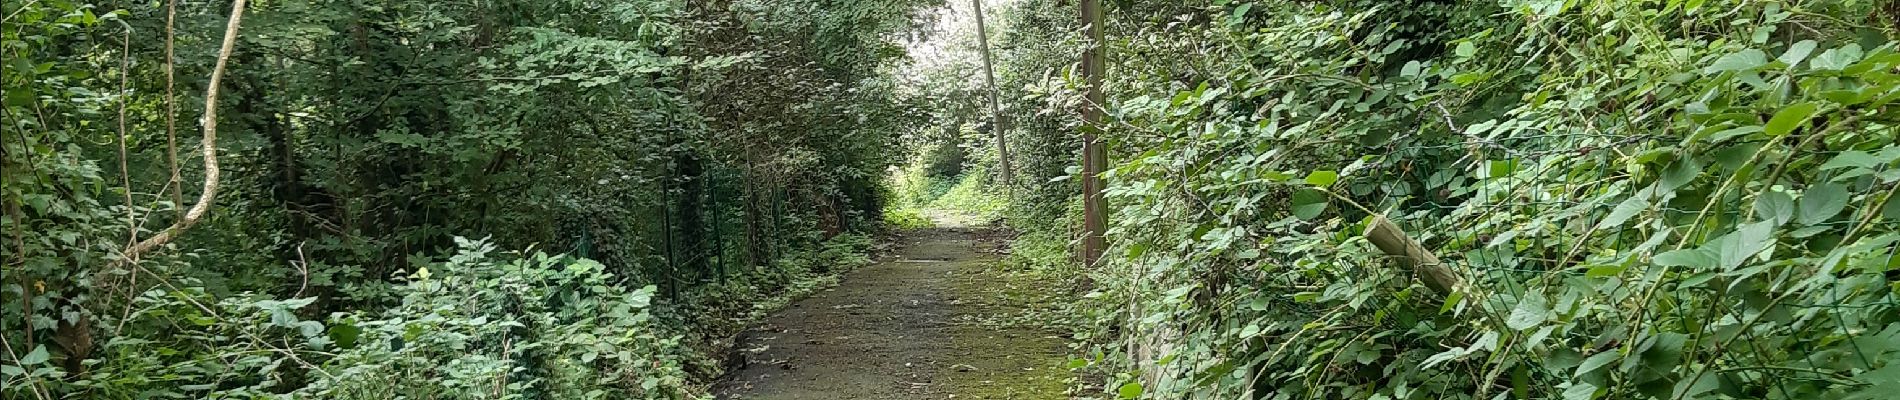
[1648, 199]
[974, 195]
[971, 193]
[479, 325]
[685, 147]
[906, 219]
[531, 327]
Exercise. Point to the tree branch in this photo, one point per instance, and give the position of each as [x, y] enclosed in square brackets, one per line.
[210, 143]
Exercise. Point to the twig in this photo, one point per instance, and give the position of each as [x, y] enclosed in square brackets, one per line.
[125, 173]
[22, 8]
[1474, 138]
[303, 268]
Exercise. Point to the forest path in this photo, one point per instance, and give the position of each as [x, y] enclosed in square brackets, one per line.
[936, 320]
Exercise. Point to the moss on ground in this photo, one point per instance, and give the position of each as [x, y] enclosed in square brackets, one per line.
[1002, 320]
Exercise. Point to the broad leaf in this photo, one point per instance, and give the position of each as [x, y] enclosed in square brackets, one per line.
[1529, 312]
[1822, 202]
[1322, 178]
[1693, 258]
[1308, 203]
[1799, 51]
[1790, 117]
[1774, 206]
[1743, 60]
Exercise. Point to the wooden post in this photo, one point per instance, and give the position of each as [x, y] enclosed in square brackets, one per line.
[1388, 238]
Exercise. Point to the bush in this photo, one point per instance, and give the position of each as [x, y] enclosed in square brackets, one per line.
[533, 326]
[480, 325]
[1643, 200]
[906, 218]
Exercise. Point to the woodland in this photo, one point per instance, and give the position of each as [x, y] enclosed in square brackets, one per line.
[1232, 199]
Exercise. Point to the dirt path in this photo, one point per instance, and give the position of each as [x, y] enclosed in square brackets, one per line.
[935, 321]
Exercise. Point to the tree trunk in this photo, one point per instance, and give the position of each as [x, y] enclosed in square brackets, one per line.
[1094, 156]
[996, 125]
[754, 232]
[689, 179]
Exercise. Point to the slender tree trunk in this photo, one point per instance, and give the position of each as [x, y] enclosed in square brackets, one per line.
[754, 232]
[1094, 155]
[989, 82]
[177, 183]
[666, 236]
[689, 180]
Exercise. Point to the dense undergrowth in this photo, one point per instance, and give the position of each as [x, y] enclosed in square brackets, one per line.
[648, 176]
[1644, 199]
[1667, 199]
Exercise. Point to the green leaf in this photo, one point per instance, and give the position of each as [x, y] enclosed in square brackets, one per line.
[1790, 117]
[1664, 350]
[1837, 58]
[1308, 204]
[309, 328]
[1129, 390]
[1679, 173]
[1774, 206]
[1411, 69]
[1250, 330]
[1892, 209]
[1702, 384]
[1240, 14]
[1628, 208]
[1465, 49]
[1580, 391]
[1501, 168]
[1606, 270]
[643, 297]
[19, 96]
[1738, 61]
[1693, 258]
[1732, 250]
[38, 355]
[1799, 51]
[1596, 362]
[1822, 202]
[345, 334]
[1851, 159]
[1322, 178]
[1529, 312]
[1733, 132]
[1451, 301]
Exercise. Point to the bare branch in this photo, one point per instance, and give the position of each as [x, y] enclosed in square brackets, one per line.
[210, 145]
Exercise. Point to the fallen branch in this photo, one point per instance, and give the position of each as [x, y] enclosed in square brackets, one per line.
[1388, 238]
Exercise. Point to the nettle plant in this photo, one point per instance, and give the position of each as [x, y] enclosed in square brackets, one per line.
[1668, 200]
